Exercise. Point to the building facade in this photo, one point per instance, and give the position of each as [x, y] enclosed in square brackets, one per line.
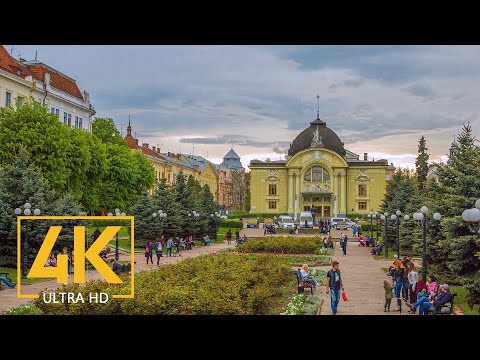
[21, 80]
[318, 175]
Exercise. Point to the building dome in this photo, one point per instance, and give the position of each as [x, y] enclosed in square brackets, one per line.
[308, 138]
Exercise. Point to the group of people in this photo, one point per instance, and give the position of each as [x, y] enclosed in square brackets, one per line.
[324, 226]
[328, 242]
[415, 293]
[186, 243]
[356, 229]
[52, 260]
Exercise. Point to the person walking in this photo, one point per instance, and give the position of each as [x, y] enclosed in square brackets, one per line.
[405, 261]
[398, 273]
[229, 236]
[158, 250]
[148, 252]
[359, 230]
[237, 236]
[388, 295]
[169, 246]
[343, 243]
[333, 285]
[412, 281]
[354, 230]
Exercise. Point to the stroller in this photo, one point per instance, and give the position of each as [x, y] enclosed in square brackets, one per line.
[361, 241]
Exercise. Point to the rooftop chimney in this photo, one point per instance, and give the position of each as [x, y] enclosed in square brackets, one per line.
[145, 145]
[365, 156]
[154, 148]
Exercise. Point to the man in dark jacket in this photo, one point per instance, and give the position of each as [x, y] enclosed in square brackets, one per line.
[116, 267]
[444, 297]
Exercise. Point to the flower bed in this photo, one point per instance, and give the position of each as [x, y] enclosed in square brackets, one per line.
[302, 305]
[220, 285]
[286, 245]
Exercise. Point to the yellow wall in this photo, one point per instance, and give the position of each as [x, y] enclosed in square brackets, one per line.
[376, 183]
[209, 176]
[259, 181]
[17, 88]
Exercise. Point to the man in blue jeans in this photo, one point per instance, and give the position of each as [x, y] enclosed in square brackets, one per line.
[6, 281]
[334, 284]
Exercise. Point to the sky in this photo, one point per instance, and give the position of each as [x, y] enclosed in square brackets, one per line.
[206, 99]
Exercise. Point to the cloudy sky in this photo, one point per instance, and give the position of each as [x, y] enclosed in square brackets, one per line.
[378, 99]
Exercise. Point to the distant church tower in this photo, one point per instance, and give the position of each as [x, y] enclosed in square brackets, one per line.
[232, 161]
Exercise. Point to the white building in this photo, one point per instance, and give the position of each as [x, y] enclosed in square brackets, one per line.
[21, 79]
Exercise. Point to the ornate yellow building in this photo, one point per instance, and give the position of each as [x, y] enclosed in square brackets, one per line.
[318, 175]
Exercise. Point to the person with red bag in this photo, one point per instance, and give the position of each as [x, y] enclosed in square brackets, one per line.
[333, 285]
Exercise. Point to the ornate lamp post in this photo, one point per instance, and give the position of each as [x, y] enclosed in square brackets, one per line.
[472, 218]
[384, 217]
[422, 216]
[194, 216]
[396, 217]
[27, 212]
[370, 220]
[215, 218]
[117, 213]
[161, 216]
[376, 215]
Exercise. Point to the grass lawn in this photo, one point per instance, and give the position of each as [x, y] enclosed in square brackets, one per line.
[460, 300]
[124, 231]
[12, 274]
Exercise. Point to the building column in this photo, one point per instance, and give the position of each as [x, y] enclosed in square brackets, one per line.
[343, 201]
[335, 194]
[297, 194]
[290, 193]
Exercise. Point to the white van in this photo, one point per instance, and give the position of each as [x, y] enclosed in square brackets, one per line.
[306, 218]
[285, 222]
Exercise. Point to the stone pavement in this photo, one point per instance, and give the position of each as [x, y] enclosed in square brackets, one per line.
[363, 282]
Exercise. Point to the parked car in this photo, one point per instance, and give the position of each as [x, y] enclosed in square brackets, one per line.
[306, 216]
[350, 223]
[341, 225]
[252, 223]
[334, 222]
[285, 222]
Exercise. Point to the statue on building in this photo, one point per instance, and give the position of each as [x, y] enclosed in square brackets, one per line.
[317, 139]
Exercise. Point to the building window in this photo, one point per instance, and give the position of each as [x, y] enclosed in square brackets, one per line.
[19, 72]
[8, 99]
[272, 189]
[362, 205]
[57, 112]
[80, 123]
[317, 173]
[362, 190]
[163, 175]
[76, 122]
[52, 110]
[388, 177]
[272, 205]
[19, 102]
[69, 119]
[65, 118]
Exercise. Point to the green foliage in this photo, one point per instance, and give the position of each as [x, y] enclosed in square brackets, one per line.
[295, 305]
[239, 215]
[24, 309]
[106, 131]
[206, 285]
[147, 227]
[164, 199]
[234, 224]
[310, 260]
[310, 306]
[288, 244]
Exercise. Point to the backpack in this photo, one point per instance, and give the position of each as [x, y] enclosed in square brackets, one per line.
[159, 247]
[147, 250]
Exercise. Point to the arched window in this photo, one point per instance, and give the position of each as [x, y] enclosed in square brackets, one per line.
[317, 173]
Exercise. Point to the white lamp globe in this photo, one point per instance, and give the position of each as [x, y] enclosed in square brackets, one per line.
[437, 216]
[123, 214]
[369, 216]
[110, 214]
[36, 212]
[18, 211]
[154, 214]
[27, 206]
[474, 215]
[385, 213]
[466, 215]
[27, 212]
[406, 217]
[423, 209]
[382, 217]
[398, 212]
[477, 204]
[393, 217]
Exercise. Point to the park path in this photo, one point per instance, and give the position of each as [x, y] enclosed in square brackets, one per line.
[363, 278]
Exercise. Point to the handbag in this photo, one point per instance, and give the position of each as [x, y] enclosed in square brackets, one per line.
[344, 296]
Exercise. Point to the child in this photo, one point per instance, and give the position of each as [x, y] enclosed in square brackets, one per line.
[388, 295]
[458, 310]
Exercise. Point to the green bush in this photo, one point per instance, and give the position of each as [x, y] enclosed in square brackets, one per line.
[24, 309]
[287, 244]
[234, 224]
[310, 306]
[221, 285]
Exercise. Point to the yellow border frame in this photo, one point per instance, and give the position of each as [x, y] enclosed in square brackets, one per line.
[106, 218]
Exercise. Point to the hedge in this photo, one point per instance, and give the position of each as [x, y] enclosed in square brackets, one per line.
[287, 244]
[300, 231]
[221, 285]
[236, 224]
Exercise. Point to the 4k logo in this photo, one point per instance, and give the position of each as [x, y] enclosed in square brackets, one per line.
[60, 272]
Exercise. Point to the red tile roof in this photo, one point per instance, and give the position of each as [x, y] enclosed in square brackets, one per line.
[132, 144]
[38, 71]
[9, 64]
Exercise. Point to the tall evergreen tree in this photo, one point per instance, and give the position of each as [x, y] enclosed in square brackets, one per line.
[458, 187]
[146, 226]
[421, 164]
[208, 207]
[164, 199]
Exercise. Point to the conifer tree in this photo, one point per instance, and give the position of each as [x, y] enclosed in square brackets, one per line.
[421, 164]
[146, 226]
[164, 199]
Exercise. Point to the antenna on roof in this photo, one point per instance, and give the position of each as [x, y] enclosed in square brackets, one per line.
[193, 149]
[318, 106]
[11, 51]
[35, 55]
[135, 133]
[159, 148]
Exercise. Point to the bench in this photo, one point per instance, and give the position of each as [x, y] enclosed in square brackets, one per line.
[377, 250]
[445, 309]
[302, 284]
[5, 275]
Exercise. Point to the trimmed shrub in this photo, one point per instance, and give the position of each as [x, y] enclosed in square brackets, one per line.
[221, 285]
[284, 244]
[234, 224]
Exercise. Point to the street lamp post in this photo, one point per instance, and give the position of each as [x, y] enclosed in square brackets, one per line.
[376, 219]
[396, 217]
[161, 215]
[370, 220]
[472, 218]
[27, 212]
[215, 218]
[385, 218]
[422, 216]
[194, 216]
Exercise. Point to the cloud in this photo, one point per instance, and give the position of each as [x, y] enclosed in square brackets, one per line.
[259, 98]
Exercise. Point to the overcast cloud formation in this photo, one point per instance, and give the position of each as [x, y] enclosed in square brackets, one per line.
[378, 99]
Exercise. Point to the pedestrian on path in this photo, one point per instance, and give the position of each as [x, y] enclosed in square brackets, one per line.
[359, 230]
[343, 243]
[169, 246]
[333, 285]
[237, 236]
[148, 252]
[388, 295]
[158, 250]
[354, 230]
[398, 272]
[229, 236]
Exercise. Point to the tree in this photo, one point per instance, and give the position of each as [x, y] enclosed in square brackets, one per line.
[164, 199]
[421, 164]
[145, 225]
[106, 130]
[238, 189]
[208, 207]
[453, 252]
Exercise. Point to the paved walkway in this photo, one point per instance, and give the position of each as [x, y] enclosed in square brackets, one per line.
[363, 282]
